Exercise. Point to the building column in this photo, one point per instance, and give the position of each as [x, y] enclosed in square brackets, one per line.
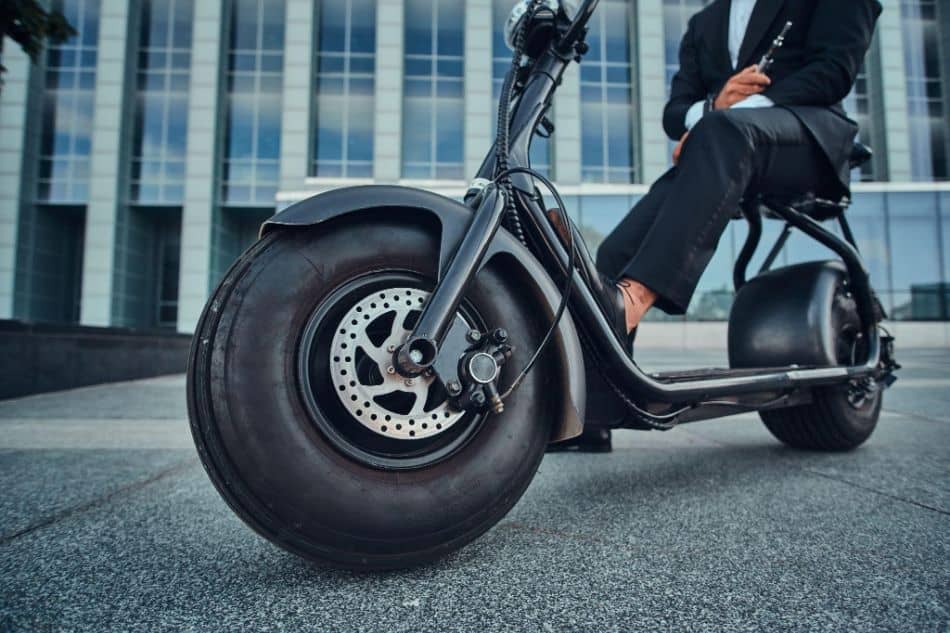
[387, 148]
[651, 80]
[894, 93]
[201, 181]
[296, 131]
[14, 100]
[478, 83]
[106, 169]
[567, 123]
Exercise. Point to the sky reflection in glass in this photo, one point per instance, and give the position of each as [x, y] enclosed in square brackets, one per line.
[345, 89]
[433, 99]
[160, 123]
[68, 104]
[251, 167]
[607, 114]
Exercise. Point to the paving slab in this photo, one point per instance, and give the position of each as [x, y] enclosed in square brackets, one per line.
[108, 522]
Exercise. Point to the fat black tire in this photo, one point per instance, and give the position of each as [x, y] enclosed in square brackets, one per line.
[267, 456]
[828, 423]
[831, 422]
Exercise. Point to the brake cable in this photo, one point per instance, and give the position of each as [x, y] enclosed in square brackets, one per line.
[568, 277]
[502, 136]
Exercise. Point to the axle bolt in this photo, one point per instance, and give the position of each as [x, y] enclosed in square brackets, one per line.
[474, 336]
[500, 336]
[454, 387]
[390, 370]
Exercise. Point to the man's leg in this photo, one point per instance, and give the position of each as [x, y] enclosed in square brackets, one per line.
[727, 154]
[619, 248]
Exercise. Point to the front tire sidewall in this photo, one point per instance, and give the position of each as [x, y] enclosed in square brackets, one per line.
[282, 475]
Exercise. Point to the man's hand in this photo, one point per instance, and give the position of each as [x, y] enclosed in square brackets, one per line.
[741, 85]
[679, 149]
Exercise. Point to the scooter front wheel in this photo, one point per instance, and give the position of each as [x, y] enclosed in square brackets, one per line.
[309, 434]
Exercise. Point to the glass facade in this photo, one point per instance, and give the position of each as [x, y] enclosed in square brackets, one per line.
[255, 74]
[925, 91]
[540, 157]
[68, 103]
[676, 15]
[433, 91]
[607, 113]
[858, 107]
[160, 125]
[345, 89]
[903, 229]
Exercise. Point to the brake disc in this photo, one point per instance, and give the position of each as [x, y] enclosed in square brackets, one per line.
[361, 368]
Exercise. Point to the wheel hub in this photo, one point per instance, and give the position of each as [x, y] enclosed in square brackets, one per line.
[361, 368]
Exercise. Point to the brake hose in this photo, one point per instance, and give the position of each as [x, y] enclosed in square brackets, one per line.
[502, 139]
[503, 179]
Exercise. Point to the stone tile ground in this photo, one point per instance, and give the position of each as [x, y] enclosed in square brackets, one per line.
[108, 522]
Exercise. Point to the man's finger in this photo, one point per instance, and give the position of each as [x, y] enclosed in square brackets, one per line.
[750, 90]
[753, 78]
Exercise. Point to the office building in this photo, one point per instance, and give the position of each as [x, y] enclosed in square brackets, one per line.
[138, 159]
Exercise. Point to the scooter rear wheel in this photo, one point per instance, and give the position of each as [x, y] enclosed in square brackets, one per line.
[841, 417]
[271, 412]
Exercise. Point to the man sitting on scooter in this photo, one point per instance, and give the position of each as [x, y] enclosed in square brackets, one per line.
[740, 132]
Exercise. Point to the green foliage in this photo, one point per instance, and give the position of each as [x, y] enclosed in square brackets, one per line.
[28, 24]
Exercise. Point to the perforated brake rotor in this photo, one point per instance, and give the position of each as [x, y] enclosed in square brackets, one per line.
[361, 368]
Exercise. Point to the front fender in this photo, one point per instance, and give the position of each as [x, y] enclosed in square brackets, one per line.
[453, 219]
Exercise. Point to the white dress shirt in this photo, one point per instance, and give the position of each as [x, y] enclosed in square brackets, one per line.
[739, 15]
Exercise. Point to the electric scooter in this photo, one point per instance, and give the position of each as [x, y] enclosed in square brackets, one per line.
[374, 382]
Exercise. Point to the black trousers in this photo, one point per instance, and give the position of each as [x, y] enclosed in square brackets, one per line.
[668, 238]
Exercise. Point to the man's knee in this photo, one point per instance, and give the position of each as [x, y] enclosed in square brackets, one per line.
[723, 125]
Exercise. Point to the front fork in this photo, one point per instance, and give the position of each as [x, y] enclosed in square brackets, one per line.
[466, 362]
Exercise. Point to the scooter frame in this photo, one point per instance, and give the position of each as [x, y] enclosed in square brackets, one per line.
[713, 395]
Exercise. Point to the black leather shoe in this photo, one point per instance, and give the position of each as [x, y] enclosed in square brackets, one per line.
[594, 439]
[610, 298]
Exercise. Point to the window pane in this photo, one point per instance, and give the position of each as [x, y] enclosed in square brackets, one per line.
[345, 89]
[433, 110]
[924, 71]
[607, 98]
[67, 108]
[255, 96]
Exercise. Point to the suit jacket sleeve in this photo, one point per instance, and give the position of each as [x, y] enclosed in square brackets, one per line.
[838, 39]
[687, 87]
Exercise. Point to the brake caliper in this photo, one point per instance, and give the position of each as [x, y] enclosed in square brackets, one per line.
[475, 386]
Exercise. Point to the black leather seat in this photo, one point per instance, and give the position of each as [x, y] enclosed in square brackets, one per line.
[810, 204]
[860, 154]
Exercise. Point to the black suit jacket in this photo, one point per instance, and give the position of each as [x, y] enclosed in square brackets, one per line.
[813, 72]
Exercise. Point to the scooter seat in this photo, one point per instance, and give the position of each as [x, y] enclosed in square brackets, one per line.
[810, 204]
[860, 154]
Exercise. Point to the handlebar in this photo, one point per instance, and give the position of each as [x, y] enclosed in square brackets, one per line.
[577, 27]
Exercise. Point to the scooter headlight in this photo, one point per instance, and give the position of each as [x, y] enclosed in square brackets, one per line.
[518, 13]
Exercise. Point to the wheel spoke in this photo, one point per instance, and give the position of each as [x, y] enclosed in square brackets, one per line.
[379, 390]
[371, 404]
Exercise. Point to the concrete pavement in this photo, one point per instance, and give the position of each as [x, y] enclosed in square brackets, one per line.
[108, 522]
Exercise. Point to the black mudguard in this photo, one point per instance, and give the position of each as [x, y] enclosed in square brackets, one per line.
[791, 316]
[453, 219]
